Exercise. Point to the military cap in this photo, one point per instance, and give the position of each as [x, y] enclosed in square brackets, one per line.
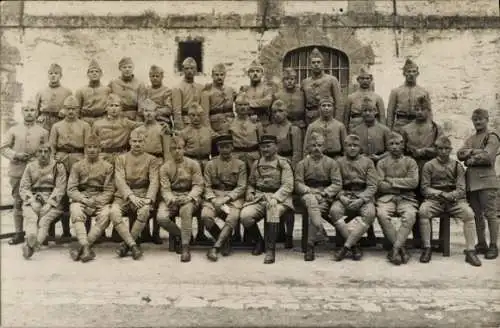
[55, 67]
[189, 61]
[93, 139]
[278, 105]
[94, 64]
[352, 138]
[155, 69]
[424, 102]
[195, 108]
[365, 71]
[44, 145]
[29, 104]
[409, 64]
[125, 61]
[256, 65]
[223, 138]
[326, 100]
[315, 53]
[242, 98]
[71, 101]
[443, 141]
[177, 140]
[268, 138]
[137, 133]
[481, 113]
[219, 68]
[315, 136]
[148, 104]
[395, 136]
[289, 72]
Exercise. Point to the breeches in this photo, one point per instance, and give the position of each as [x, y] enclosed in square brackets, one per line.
[366, 211]
[484, 203]
[185, 211]
[37, 227]
[253, 213]
[124, 208]
[18, 204]
[78, 214]
[406, 209]
[431, 208]
[69, 159]
[209, 213]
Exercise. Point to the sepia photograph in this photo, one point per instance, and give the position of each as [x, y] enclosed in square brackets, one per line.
[250, 163]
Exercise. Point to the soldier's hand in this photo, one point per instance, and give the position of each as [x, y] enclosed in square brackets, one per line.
[447, 196]
[355, 204]
[250, 197]
[45, 209]
[21, 156]
[345, 200]
[218, 202]
[272, 203]
[385, 185]
[89, 210]
[36, 206]
[136, 201]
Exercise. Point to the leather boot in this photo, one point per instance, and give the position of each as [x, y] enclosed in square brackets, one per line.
[75, 252]
[177, 244]
[200, 236]
[156, 234]
[215, 231]
[122, 250]
[225, 240]
[288, 242]
[136, 252]
[405, 256]
[341, 254]
[472, 259]
[212, 254]
[259, 242]
[17, 239]
[309, 254]
[481, 248]
[492, 252]
[86, 254]
[115, 236]
[28, 251]
[185, 255]
[357, 253]
[225, 250]
[272, 230]
[426, 255]
[394, 256]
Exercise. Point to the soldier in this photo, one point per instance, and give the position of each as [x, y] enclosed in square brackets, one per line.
[114, 130]
[479, 153]
[185, 94]
[398, 179]
[136, 178]
[217, 99]
[317, 182]
[182, 185]
[245, 133]
[332, 130]
[318, 86]
[49, 101]
[161, 95]
[372, 134]
[129, 89]
[20, 145]
[260, 96]
[157, 135]
[293, 97]
[443, 186]
[90, 190]
[403, 100]
[359, 185]
[41, 189]
[93, 97]
[269, 195]
[225, 186]
[353, 113]
[67, 139]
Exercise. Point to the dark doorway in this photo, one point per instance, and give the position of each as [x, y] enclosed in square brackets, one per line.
[192, 49]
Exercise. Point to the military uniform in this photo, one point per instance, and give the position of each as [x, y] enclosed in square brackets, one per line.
[289, 141]
[162, 96]
[156, 142]
[353, 113]
[218, 102]
[246, 135]
[49, 102]
[421, 136]
[21, 138]
[198, 143]
[315, 89]
[295, 103]
[260, 97]
[41, 185]
[334, 133]
[479, 154]
[373, 138]
[182, 97]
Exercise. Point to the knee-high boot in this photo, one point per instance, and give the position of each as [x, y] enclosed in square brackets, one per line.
[272, 229]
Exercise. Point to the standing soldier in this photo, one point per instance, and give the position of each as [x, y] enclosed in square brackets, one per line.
[353, 113]
[269, 195]
[42, 188]
[293, 97]
[332, 130]
[160, 94]
[479, 153]
[403, 100]
[443, 186]
[398, 180]
[49, 101]
[20, 146]
[157, 135]
[217, 99]
[359, 185]
[130, 90]
[317, 182]
[225, 186]
[185, 94]
[90, 190]
[372, 134]
[181, 185]
[260, 96]
[318, 86]
[136, 178]
[93, 97]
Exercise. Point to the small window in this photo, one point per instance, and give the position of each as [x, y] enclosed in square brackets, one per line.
[192, 49]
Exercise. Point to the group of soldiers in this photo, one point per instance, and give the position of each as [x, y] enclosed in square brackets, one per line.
[127, 150]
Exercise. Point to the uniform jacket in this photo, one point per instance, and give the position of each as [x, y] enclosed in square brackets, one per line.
[92, 100]
[403, 175]
[162, 96]
[198, 140]
[131, 92]
[289, 141]
[333, 131]
[403, 100]
[51, 99]
[295, 102]
[438, 177]
[420, 136]
[184, 95]
[137, 175]
[260, 98]
[353, 107]
[156, 142]
[184, 178]
[114, 133]
[360, 172]
[373, 138]
[323, 175]
[325, 86]
[217, 101]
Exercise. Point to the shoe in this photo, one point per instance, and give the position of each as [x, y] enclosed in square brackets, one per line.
[17, 239]
[86, 255]
[122, 250]
[357, 253]
[156, 240]
[309, 254]
[492, 252]
[226, 248]
[177, 244]
[212, 254]
[341, 254]
[472, 259]
[405, 256]
[75, 252]
[288, 242]
[185, 254]
[394, 257]
[426, 255]
[259, 244]
[27, 251]
[272, 232]
[136, 252]
[481, 248]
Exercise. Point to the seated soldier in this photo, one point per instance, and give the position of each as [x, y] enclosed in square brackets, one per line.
[317, 182]
[42, 188]
[359, 185]
[443, 188]
[136, 179]
[269, 195]
[398, 180]
[225, 186]
[181, 184]
[90, 191]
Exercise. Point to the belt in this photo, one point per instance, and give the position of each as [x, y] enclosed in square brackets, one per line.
[405, 115]
[223, 187]
[92, 114]
[264, 189]
[287, 153]
[70, 149]
[160, 155]
[355, 115]
[446, 188]
[140, 185]
[354, 186]
[222, 111]
[115, 149]
[247, 149]
[90, 188]
[317, 183]
[42, 189]
[186, 189]
[333, 153]
[199, 157]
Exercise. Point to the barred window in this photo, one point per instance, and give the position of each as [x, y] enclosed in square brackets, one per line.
[335, 63]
